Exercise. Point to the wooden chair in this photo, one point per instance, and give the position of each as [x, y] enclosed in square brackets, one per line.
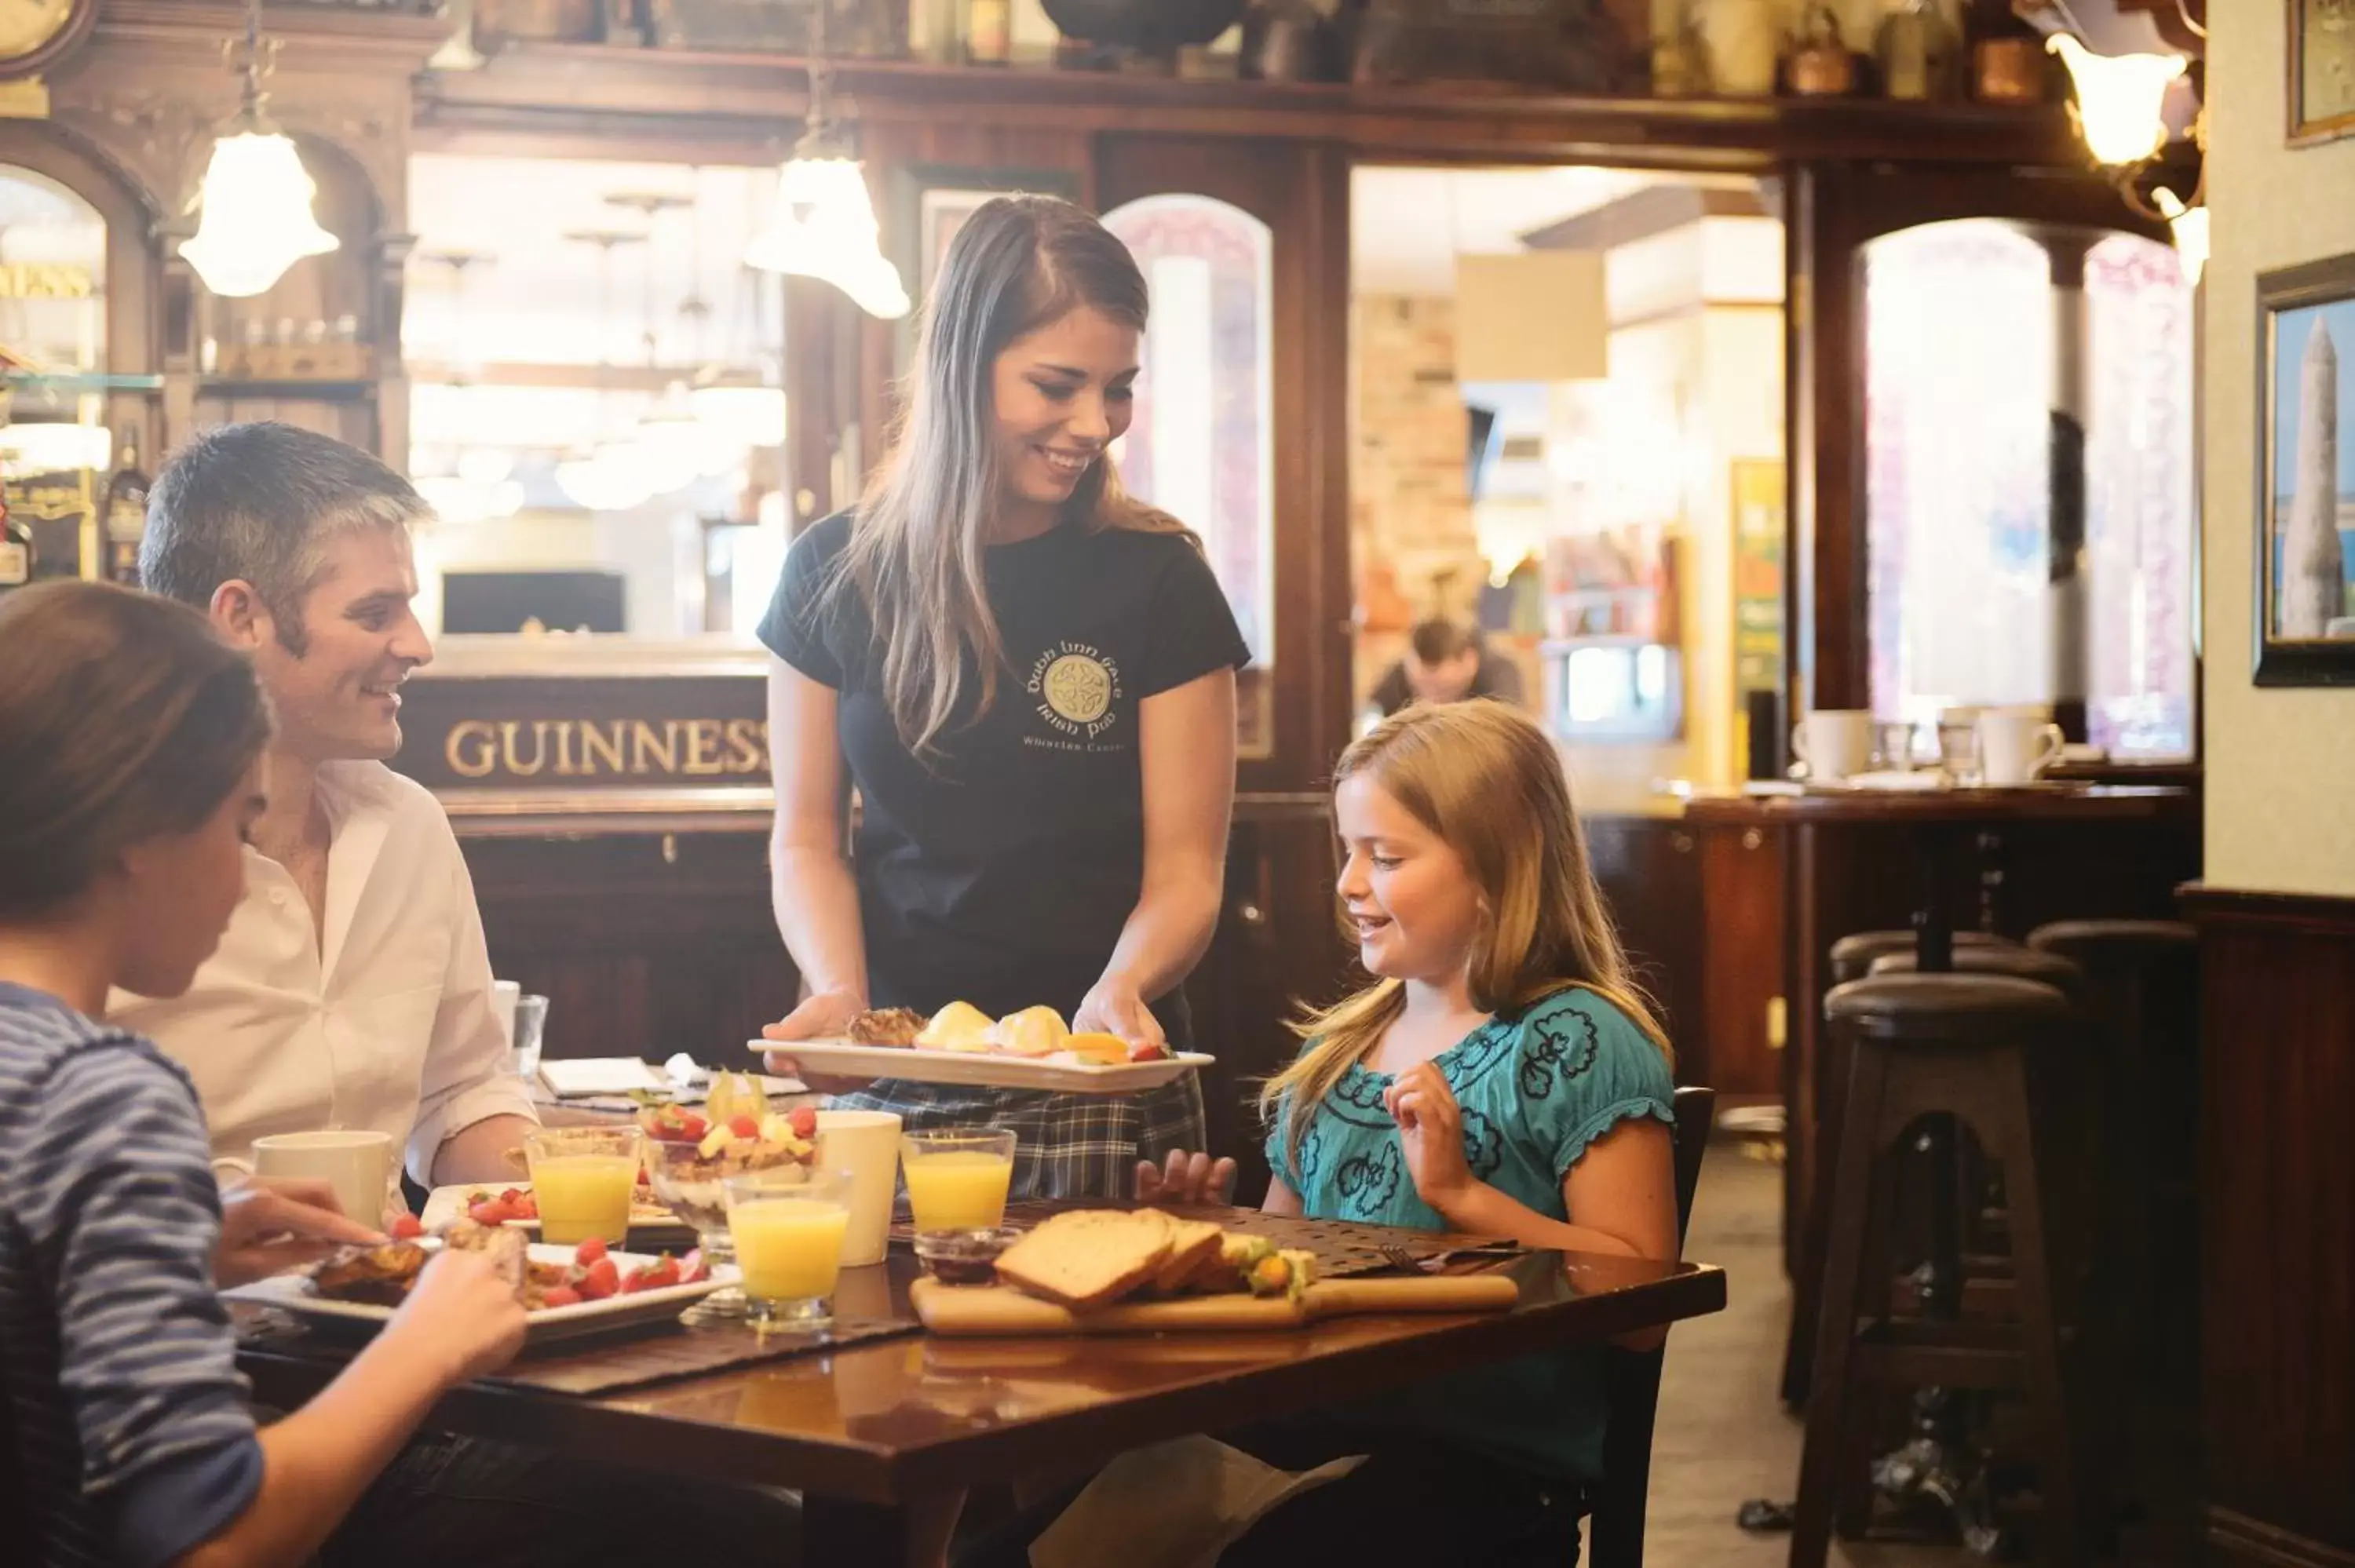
[1631, 1382]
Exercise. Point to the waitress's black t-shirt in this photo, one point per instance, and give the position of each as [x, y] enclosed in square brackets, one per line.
[1001, 871]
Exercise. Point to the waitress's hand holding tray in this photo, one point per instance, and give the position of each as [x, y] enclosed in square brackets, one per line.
[828, 1015]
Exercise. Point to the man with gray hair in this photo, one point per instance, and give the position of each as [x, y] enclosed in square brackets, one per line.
[352, 989]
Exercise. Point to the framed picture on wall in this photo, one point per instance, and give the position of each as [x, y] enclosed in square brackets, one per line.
[2306, 475]
[2321, 70]
[930, 202]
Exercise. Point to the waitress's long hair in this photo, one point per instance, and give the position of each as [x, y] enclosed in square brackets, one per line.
[1482, 777]
[1018, 264]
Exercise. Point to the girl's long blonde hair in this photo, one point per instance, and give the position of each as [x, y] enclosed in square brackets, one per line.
[917, 542]
[1485, 779]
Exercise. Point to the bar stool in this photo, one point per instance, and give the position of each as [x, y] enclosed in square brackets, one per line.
[1853, 954]
[1921, 1046]
[2145, 980]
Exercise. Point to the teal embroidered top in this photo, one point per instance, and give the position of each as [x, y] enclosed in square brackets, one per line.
[1536, 1089]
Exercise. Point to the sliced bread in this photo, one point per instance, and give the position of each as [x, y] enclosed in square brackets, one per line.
[1087, 1257]
[1192, 1243]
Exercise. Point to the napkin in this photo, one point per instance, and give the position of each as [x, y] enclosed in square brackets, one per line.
[1926, 779]
[598, 1075]
[1175, 1505]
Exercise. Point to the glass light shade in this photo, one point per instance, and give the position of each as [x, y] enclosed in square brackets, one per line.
[682, 446]
[605, 480]
[257, 220]
[750, 416]
[485, 465]
[454, 500]
[2190, 226]
[826, 228]
[2118, 98]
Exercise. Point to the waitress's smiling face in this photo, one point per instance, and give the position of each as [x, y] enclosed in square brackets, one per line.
[1063, 394]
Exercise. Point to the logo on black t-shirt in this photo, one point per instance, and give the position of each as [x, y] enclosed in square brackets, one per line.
[1075, 687]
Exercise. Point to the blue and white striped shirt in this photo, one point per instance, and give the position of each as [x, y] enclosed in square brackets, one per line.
[130, 1418]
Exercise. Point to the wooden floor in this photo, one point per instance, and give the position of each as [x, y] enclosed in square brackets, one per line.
[1723, 1436]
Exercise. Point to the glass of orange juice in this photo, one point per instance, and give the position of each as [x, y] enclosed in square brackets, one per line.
[957, 1180]
[787, 1224]
[583, 1178]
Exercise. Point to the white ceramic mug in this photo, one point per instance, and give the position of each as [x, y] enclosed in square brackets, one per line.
[866, 1145]
[2016, 747]
[357, 1163]
[1834, 743]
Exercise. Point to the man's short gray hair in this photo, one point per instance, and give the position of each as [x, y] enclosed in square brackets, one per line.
[261, 502]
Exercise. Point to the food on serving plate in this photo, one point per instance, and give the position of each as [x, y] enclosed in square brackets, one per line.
[1089, 1257]
[383, 1275]
[959, 1027]
[371, 1275]
[894, 1026]
[1033, 1031]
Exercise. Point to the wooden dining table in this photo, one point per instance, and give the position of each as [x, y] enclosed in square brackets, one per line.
[880, 1435]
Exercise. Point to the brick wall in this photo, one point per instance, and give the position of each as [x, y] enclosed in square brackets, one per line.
[1410, 512]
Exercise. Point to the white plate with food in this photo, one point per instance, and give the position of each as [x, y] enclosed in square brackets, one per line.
[360, 1288]
[513, 1205]
[1032, 1049]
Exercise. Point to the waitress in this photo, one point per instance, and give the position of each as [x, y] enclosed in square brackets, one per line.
[1030, 677]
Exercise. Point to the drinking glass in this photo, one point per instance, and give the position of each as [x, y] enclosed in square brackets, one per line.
[584, 1178]
[958, 1180]
[787, 1225]
[530, 1023]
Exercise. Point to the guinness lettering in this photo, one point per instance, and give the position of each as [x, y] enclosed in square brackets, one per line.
[592, 748]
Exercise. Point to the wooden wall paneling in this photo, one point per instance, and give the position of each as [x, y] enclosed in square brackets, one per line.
[2277, 1233]
[1649, 871]
[1739, 917]
[1300, 192]
[645, 943]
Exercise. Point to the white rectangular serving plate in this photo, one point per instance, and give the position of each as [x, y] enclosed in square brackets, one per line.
[291, 1293]
[981, 1069]
[647, 1227]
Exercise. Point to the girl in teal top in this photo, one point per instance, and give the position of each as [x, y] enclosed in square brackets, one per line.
[1501, 1076]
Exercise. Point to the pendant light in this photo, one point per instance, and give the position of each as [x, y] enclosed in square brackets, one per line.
[825, 224]
[256, 198]
[737, 398]
[612, 475]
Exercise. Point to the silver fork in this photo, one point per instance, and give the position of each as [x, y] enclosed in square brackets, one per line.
[1398, 1258]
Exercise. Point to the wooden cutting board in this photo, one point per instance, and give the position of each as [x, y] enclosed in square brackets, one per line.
[986, 1310]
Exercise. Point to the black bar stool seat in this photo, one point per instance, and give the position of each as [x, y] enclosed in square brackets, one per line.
[1853, 954]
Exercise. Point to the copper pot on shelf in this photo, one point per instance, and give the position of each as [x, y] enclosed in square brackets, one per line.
[2008, 70]
[1821, 66]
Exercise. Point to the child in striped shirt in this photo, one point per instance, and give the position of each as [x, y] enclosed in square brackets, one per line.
[131, 743]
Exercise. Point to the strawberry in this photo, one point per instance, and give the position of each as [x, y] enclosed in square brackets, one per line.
[744, 1126]
[805, 1121]
[600, 1280]
[490, 1212]
[524, 1206]
[660, 1274]
[407, 1227]
[589, 1251]
[692, 1269]
[692, 1127]
[1145, 1051]
[560, 1295]
[513, 1196]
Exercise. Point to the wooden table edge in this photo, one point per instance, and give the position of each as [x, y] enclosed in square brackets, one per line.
[875, 1473]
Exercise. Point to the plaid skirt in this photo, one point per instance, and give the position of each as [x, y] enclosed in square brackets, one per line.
[1065, 1146]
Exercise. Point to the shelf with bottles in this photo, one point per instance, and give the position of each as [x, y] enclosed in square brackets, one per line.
[66, 517]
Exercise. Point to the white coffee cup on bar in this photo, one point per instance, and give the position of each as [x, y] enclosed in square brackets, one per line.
[357, 1163]
[2016, 745]
[866, 1145]
[1834, 743]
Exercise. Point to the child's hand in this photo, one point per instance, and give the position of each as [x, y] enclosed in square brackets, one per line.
[461, 1313]
[1431, 1131]
[1187, 1179]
